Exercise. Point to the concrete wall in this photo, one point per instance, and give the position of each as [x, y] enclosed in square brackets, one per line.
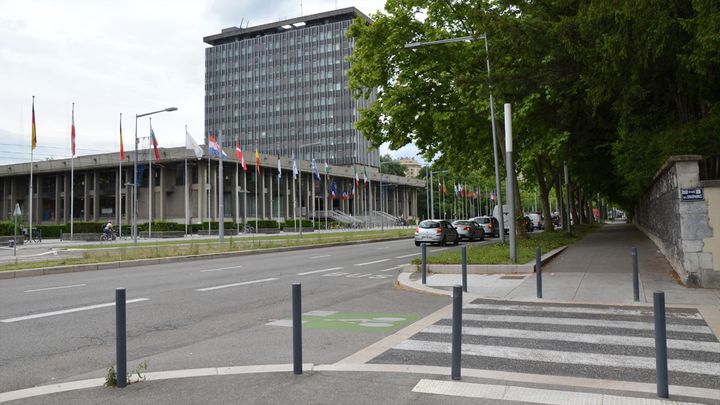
[686, 232]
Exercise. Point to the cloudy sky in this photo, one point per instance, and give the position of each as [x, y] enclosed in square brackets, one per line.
[124, 56]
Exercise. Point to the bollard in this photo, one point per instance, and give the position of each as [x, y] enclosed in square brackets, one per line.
[463, 253]
[635, 275]
[661, 367]
[120, 341]
[456, 331]
[423, 249]
[538, 271]
[297, 329]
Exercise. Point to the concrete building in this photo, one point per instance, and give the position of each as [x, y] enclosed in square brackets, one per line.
[412, 167]
[97, 197]
[281, 85]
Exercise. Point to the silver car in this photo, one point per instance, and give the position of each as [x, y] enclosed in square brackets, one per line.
[436, 231]
[469, 230]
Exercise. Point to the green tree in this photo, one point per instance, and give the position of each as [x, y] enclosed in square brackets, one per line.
[389, 166]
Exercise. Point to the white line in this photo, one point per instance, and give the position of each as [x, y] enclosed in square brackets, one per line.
[319, 271]
[585, 322]
[218, 287]
[55, 288]
[529, 395]
[221, 268]
[392, 268]
[383, 248]
[581, 310]
[320, 257]
[578, 337]
[68, 311]
[561, 357]
[374, 262]
[438, 250]
[410, 255]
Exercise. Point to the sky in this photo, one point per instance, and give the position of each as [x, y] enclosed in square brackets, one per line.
[124, 56]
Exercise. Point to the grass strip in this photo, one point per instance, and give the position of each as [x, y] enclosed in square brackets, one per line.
[111, 253]
[499, 254]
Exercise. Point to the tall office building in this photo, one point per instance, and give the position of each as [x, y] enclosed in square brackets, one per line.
[283, 88]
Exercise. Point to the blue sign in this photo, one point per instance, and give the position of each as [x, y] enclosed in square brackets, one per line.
[692, 194]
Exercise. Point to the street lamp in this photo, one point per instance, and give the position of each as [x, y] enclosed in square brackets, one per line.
[135, 185]
[483, 36]
[297, 150]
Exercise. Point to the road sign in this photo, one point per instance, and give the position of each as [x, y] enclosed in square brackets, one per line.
[18, 211]
[692, 194]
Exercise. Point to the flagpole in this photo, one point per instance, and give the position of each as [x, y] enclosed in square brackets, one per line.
[278, 194]
[32, 148]
[257, 183]
[294, 199]
[150, 188]
[186, 186]
[237, 203]
[326, 200]
[72, 182]
[244, 198]
[209, 190]
[120, 187]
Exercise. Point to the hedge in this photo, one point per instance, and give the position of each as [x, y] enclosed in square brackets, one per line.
[264, 223]
[296, 224]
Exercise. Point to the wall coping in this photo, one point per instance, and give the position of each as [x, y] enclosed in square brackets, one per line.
[671, 162]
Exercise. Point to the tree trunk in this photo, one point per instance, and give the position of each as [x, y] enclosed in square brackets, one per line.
[559, 195]
[544, 193]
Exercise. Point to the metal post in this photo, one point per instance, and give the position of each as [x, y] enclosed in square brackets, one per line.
[660, 344]
[569, 198]
[510, 183]
[456, 331]
[538, 271]
[635, 275]
[297, 329]
[501, 220]
[120, 342]
[133, 229]
[221, 180]
[463, 253]
[423, 249]
[432, 195]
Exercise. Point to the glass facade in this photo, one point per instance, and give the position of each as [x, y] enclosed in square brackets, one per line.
[283, 85]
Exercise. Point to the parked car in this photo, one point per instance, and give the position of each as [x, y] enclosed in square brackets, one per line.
[506, 216]
[537, 220]
[437, 231]
[527, 223]
[469, 230]
[490, 225]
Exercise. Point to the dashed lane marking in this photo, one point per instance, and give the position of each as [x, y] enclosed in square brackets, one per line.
[373, 262]
[410, 255]
[218, 287]
[55, 288]
[319, 271]
[219, 269]
[68, 311]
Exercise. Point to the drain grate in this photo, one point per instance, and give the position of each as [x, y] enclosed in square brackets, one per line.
[512, 277]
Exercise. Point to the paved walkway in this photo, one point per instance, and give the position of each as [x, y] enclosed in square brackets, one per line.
[595, 270]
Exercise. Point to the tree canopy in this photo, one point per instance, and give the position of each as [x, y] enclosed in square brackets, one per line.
[611, 88]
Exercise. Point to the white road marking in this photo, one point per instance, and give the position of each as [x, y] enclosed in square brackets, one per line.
[578, 337]
[319, 271]
[320, 257]
[438, 250]
[55, 288]
[586, 322]
[529, 395]
[221, 268]
[581, 310]
[68, 311]
[383, 248]
[392, 268]
[557, 356]
[373, 262]
[410, 255]
[218, 287]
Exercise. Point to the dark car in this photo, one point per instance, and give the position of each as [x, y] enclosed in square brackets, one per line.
[528, 224]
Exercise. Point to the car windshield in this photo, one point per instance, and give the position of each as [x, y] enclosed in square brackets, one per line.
[429, 224]
[482, 220]
[461, 223]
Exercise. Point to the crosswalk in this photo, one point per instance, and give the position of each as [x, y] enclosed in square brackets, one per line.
[573, 340]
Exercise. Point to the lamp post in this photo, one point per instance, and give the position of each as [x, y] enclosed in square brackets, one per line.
[135, 180]
[297, 150]
[483, 36]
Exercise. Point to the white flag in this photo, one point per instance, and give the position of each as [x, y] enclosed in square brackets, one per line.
[17, 212]
[190, 144]
[294, 169]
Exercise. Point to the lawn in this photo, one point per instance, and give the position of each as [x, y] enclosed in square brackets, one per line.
[499, 254]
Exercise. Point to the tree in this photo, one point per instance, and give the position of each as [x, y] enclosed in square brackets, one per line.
[389, 166]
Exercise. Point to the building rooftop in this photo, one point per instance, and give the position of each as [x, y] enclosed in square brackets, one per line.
[233, 34]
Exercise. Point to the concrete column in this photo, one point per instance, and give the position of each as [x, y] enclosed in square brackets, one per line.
[271, 197]
[202, 190]
[57, 198]
[235, 200]
[162, 196]
[243, 209]
[128, 195]
[96, 196]
[86, 195]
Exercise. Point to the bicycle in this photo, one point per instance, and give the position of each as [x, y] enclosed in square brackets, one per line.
[113, 236]
[247, 229]
[36, 236]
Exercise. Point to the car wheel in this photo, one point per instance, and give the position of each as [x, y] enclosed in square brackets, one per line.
[443, 242]
[417, 243]
[457, 240]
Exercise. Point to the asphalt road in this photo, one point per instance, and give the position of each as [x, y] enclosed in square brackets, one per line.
[204, 313]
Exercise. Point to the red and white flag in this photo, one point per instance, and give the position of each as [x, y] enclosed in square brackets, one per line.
[239, 155]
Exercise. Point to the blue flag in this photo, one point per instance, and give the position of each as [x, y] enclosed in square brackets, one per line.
[140, 172]
[315, 170]
[333, 191]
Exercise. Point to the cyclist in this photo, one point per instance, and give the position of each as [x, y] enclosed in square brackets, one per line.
[108, 230]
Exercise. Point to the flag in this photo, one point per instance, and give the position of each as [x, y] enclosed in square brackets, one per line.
[17, 211]
[294, 169]
[72, 132]
[154, 143]
[444, 189]
[327, 168]
[333, 191]
[279, 167]
[353, 190]
[33, 140]
[365, 176]
[357, 180]
[439, 187]
[213, 147]
[190, 144]
[344, 195]
[140, 172]
[122, 149]
[455, 189]
[315, 170]
[257, 161]
[239, 155]
[492, 195]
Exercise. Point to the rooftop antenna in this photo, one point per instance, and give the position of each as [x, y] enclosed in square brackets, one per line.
[241, 22]
[301, 12]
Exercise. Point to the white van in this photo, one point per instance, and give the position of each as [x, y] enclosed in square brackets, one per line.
[506, 216]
